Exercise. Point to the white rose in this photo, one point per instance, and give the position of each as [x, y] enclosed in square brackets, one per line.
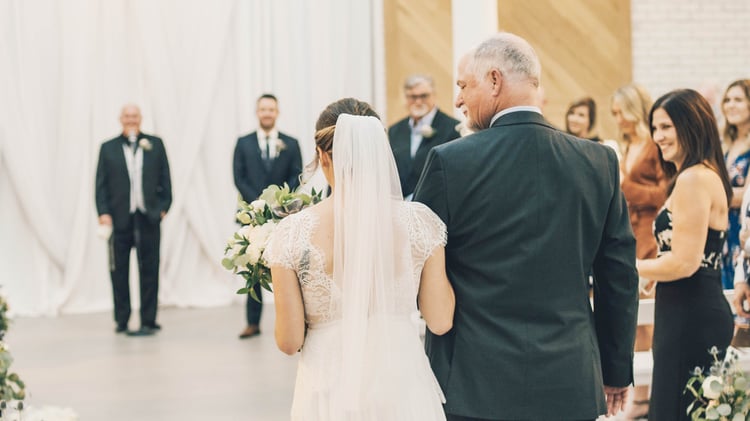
[710, 389]
[259, 204]
[280, 146]
[243, 259]
[259, 236]
[253, 253]
[426, 131]
[145, 144]
[245, 231]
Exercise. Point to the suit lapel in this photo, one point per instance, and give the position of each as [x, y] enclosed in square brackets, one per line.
[402, 142]
[119, 156]
[255, 153]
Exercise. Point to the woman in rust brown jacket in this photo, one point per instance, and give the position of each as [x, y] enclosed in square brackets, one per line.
[644, 185]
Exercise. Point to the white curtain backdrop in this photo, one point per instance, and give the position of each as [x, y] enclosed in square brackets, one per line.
[196, 68]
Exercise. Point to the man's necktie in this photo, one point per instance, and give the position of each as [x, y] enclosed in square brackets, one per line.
[133, 142]
[267, 158]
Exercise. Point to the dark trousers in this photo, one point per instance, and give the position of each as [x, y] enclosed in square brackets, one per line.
[254, 308]
[145, 236]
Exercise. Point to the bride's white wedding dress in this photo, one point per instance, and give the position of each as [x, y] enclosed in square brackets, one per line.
[397, 378]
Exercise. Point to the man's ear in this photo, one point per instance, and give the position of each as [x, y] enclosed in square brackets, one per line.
[496, 77]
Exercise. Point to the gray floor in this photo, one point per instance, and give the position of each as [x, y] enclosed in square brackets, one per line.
[194, 369]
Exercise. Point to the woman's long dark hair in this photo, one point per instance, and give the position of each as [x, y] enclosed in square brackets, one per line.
[697, 134]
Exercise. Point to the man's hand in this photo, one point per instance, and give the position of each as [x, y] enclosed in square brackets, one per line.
[741, 295]
[162, 214]
[105, 219]
[616, 398]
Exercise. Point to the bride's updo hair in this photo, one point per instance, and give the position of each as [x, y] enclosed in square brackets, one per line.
[326, 125]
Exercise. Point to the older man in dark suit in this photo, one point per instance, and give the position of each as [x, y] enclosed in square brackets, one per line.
[264, 157]
[529, 211]
[133, 194]
[425, 127]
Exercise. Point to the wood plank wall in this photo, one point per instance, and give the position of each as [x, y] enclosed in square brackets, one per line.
[418, 39]
[584, 47]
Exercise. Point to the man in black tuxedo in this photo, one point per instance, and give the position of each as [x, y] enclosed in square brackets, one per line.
[529, 211]
[264, 157]
[424, 128]
[133, 194]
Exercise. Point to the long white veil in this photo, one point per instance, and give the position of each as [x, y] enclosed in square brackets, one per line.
[367, 190]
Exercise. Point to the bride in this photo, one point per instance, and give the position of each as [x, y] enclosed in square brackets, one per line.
[347, 275]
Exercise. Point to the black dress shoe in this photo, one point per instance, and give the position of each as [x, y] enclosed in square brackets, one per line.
[143, 331]
[152, 326]
[250, 331]
[121, 329]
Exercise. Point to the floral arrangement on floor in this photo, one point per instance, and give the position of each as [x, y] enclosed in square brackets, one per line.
[721, 394]
[12, 388]
[243, 254]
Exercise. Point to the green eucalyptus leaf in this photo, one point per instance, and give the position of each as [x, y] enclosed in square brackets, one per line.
[254, 295]
[227, 263]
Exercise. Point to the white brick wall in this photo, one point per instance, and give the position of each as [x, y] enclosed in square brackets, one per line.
[687, 43]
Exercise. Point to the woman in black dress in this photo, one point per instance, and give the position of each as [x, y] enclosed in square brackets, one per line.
[691, 313]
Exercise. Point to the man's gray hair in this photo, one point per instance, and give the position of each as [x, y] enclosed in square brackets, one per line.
[509, 53]
[414, 80]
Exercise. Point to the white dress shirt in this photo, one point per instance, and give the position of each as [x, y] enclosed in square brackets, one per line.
[416, 130]
[273, 138]
[134, 162]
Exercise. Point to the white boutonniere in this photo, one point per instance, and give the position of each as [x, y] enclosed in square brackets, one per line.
[145, 144]
[427, 131]
[279, 145]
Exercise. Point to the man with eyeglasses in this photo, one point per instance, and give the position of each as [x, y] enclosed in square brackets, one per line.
[424, 128]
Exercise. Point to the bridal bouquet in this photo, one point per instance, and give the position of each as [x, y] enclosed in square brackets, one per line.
[243, 254]
[721, 394]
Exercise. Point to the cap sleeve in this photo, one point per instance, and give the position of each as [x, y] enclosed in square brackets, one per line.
[428, 231]
[280, 248]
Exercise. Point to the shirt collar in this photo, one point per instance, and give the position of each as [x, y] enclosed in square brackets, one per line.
[424, 121]
[518, 108]
[273, 134]
[125, 138]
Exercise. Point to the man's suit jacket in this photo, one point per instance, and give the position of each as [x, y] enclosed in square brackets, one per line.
[113, 181]
[399, 134]
[250, 173]
[529, 211]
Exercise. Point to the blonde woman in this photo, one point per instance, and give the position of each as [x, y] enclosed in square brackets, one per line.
[644, 185]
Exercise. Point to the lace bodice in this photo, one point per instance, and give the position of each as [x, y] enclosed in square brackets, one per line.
[291, 246]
